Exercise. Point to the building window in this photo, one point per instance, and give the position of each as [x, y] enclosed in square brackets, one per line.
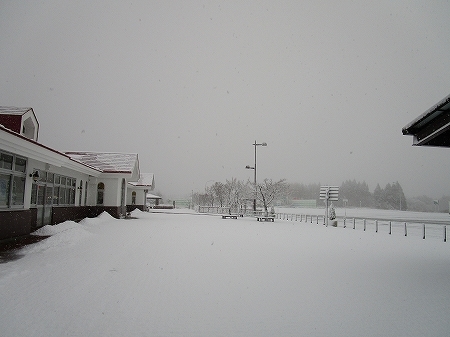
[18, 191]
[62, 195]
[133, 198]
[5, 182]
[6, 161]
[85, 193]
[81, 193]
[71, 185]
[20, 165]
[12, 180]
[34, 188]
[60, 190]
[100, 193]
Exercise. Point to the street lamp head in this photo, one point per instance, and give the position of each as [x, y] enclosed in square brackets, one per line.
[249, 167]
[263, 144]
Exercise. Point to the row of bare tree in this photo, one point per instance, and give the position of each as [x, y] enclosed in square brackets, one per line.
[235, 193]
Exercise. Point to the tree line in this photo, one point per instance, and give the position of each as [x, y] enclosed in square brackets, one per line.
[356, 194]
[352, 193]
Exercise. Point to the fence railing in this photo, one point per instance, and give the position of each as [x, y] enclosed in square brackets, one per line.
[229, 210]
[406, 228]
[391, 227]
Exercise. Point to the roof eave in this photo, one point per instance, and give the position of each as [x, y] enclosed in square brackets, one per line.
[409, 128]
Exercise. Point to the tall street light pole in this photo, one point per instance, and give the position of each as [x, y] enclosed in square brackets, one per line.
[255, 144]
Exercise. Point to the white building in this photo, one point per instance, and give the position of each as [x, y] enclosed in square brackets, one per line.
[40, 185]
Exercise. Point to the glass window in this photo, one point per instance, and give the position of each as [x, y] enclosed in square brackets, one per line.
[20, 165]
[56, 195]
[100, 193]
[40, 195]
[42, 176]
[81, 193]
[71, 196]
[4, 189]
[33, 194]
[57, 179]
[63, 180]
[18, 191]
[48, 195]
[67, 197]
[62, 195]
[50, 177]
[6, 161]
[85, 193]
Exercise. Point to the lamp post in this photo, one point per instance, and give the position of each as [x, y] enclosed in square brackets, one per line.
[255, 144]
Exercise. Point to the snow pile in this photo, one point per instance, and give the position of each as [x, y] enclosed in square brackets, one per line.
[136, 213]
[66, 233]
[103, 218]
[49, 230]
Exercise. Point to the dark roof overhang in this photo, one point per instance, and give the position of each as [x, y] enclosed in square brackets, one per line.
[432, 128]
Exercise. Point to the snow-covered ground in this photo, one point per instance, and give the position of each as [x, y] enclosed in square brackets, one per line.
[199, 275]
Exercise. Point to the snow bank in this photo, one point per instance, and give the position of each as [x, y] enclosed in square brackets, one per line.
[49, 230]
[66, 233]
[103, 218]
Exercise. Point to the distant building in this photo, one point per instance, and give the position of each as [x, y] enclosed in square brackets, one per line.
[40, 185]
[304, 203]
[138, 191]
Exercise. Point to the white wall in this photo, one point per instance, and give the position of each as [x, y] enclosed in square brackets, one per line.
[140, 196]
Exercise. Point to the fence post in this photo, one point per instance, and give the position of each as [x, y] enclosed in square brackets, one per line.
[364, 225]
[317, 218]
[311, 218]
[344, 222]
[445, 233]
[376, 226]
[390, 227]
[406, 231]
[424, 231]
[354, 223]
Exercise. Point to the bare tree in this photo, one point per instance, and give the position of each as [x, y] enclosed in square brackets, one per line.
[269, 190]
[234, 193]
[208, 198]
[219, 192]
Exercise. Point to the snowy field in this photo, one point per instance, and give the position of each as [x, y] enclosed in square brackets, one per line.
[199, 275]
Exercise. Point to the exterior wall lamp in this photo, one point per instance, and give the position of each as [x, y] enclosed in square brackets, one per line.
[35, 175]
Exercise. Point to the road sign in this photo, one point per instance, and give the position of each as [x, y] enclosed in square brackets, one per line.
[329, 193]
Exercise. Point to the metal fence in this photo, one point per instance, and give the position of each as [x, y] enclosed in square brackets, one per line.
[405, 228]
[424, 230]
[229, 210]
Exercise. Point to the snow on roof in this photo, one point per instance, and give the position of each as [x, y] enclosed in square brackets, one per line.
[145, 179]
[107, 162]
[424, 118]
[152, 196]
[12, 110]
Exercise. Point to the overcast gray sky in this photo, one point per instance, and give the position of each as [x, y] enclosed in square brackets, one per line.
[190, 85]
